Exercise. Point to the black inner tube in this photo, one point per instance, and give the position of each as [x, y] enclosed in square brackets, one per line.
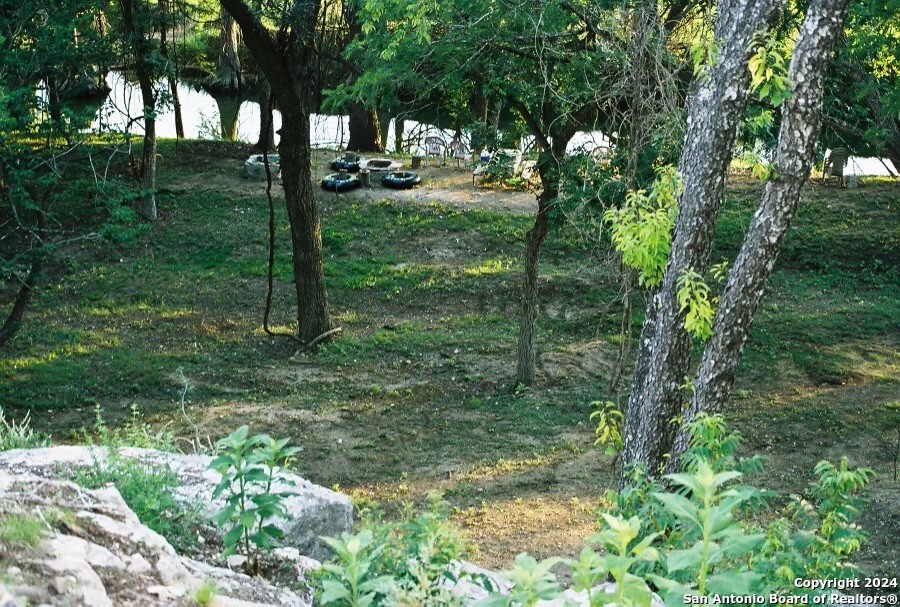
[400, 180]
[340, 181]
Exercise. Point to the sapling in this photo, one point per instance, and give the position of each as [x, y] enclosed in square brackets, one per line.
[251, 467]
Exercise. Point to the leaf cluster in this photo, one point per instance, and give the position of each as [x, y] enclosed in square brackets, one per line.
[252, 484]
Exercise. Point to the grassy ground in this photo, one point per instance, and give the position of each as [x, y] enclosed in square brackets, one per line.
[417, 393]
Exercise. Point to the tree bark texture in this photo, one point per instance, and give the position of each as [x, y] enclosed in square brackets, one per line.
[229, 106]
[136, 29]
[801, 119]
[306, 235]
[365, 129]
[23, 298]
[399, 125]
[28, 287]
[266, 139]
[288, 66]
[527, 346]
[715, 109]
[228, 69]
[549, 169]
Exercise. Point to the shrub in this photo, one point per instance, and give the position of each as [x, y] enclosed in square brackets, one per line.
[204, 595]
[692, 535]
[394, 563]
[251, 467]
[20, 435]
[134, 433]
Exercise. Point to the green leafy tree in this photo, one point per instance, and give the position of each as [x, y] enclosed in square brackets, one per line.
[558, 68]
[54, 49]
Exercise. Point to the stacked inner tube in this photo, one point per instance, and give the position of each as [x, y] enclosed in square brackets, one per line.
[340, 182]
[344, 164]
[400, 180]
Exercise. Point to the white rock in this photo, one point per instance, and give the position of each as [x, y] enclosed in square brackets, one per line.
[287, 554]
[172, 572]
[114, 559]
[82, 583]
[137, 564]
[470, 589]
[224, 601]
[316, 511]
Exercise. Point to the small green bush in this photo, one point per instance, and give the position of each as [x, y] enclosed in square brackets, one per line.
[204, 595]
[693, 533]
[251, 467]
[394, 563]
[20, 530]
[20, 435]
[134, 433]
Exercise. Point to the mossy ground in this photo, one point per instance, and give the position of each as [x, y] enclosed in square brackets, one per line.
[417, 393]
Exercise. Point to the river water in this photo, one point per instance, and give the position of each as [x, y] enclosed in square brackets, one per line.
[208, 117]
[203, 119]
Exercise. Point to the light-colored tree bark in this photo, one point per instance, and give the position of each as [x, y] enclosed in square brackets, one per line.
[801, 118]
[228, 70]
[715, 108]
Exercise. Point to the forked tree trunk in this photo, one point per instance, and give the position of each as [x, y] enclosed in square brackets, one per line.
[715, 110]
[365, 129]
[136, 28]
[801, 118]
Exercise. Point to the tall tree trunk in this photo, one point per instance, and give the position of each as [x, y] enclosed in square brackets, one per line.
[715, 110]
[527, 347]
[496, 110]
[228, 69]
[365, 129]
[266, 140]
[16, 314]
[549, 168]
[384, 123]
[289, 70]
[148, 170]
[54, 101]
[800, 124]
[171, 74]
[303, 215]
[136, 28]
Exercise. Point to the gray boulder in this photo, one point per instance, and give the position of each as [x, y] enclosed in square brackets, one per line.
[316, 511]
[93, 552]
